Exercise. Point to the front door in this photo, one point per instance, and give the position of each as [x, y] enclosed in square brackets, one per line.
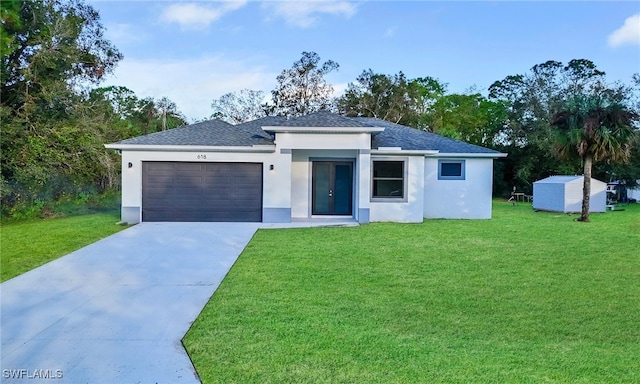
[332, 188]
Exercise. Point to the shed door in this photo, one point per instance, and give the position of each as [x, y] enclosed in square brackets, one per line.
[176, 191]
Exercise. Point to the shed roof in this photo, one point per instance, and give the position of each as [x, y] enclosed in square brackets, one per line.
[563, 179]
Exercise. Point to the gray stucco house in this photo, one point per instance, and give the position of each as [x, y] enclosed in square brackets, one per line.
[305, 168]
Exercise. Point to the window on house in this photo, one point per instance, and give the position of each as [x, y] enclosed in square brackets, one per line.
[388, 179]
[451, 169]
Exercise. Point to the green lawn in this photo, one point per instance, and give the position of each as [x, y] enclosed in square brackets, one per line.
[27, 245]
[524, 297]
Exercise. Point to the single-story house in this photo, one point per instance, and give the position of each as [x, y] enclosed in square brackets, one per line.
[564, 194]
[315, 166]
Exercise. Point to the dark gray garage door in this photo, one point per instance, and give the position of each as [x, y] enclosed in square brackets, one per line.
[173, 191]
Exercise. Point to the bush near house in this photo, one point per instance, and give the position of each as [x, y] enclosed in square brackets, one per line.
[524, 297]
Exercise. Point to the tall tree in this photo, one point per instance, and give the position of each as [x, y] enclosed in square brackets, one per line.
[391, 97]
[240, 107]
[531, 99]
[168, 114]
[467, 117]
[9, 20]
[387, 97]
[50, 49]
[303, 89]
[595, 129]
[426, 91]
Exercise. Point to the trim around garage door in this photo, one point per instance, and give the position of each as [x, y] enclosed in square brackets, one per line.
[180, 191]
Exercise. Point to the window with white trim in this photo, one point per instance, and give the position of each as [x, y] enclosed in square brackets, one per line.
[451, 169]
[389, 179]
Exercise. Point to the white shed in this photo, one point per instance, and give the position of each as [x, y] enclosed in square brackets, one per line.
[564, 194]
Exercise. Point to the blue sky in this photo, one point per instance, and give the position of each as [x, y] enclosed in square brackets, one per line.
[195, 51]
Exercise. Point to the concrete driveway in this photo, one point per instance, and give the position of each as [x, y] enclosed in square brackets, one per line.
[116, 311]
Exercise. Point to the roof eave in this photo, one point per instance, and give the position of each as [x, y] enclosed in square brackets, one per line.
[192, 148]
[471, 155]
[400, 152]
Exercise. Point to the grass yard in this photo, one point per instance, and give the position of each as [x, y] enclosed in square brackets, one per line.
[30, 244]
[524, 297]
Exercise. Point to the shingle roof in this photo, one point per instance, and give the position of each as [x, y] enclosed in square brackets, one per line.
[212, 132]
[254, 127]
[219, 133]
[323, 119]
[409, 139]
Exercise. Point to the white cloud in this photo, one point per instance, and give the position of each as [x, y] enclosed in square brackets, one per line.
[629, 33]
[124, 34]
[305, 13]
[197, 15]
[191, 84]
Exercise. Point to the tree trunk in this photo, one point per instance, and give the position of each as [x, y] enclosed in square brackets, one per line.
[586, 188]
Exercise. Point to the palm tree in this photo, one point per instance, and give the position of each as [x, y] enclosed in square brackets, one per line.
[595, 129]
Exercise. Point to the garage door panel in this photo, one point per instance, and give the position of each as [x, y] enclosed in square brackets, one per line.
[161, 167]
[243, 194]
[159, 178]
[223, 167]
[216, 180]
[181, 202]
[188, 181]
[186, 167]
[189, 173]
[173, 191]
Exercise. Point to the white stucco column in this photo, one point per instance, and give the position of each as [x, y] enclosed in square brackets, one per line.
[131, 207]
[277, 188]
[364, 186]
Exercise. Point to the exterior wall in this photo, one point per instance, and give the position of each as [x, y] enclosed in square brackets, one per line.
[305, 147]
[548, 196]
[573, 195]
[276, 183]
[598, 199]
[363, 186]
[411, 210]
[346, 141]
[459, 199]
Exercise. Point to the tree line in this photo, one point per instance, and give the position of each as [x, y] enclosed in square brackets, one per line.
[556, 118]
[56, 116]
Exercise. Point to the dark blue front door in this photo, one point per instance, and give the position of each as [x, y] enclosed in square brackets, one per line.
[332, 188]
